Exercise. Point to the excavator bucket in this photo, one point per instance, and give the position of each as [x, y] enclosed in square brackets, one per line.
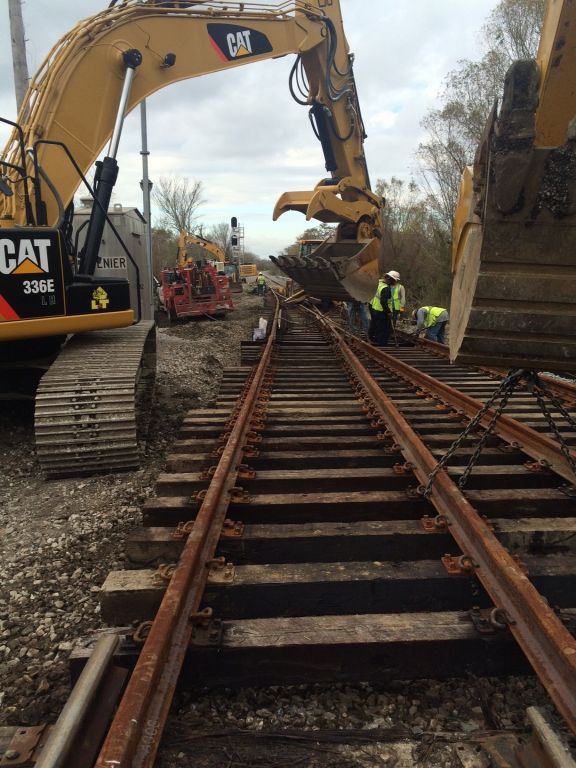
[514, 242]
[339, 270]
[513, 295]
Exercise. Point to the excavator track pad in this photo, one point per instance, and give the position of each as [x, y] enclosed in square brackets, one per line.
[89, 401]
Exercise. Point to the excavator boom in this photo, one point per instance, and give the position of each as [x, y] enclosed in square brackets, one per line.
[181, 40]
[185, 239]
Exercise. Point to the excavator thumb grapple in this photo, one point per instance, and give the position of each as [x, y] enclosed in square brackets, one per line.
[338, 270]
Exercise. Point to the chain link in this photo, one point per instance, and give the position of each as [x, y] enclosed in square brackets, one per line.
[505, 390]
[536, 387]
[540, 391]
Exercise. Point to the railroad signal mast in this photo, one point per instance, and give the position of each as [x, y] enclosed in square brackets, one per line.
[237, 240]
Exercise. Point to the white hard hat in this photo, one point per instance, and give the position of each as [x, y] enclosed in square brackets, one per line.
[393, 274]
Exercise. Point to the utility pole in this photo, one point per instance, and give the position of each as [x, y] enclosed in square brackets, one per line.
[146, 186]
[18, 50]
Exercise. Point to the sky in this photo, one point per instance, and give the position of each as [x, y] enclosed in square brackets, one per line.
[240, 132]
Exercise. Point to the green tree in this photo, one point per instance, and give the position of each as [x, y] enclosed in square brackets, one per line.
[164, 249]
[320, 232]
[414, 242]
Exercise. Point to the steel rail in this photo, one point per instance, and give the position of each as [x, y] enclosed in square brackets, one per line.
[134, 735]
[56, 753]
[536, 445]
[545, 641]
[563, 388]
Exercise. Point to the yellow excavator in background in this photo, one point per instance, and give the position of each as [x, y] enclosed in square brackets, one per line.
[76, 103]
[514, 244]
[222, 264]
[186, 239]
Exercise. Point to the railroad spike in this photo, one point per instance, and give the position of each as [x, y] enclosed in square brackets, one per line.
[459, 565]
[239, 495]
[164, 572]
[232, 529]
[220, 571]
[183, 530]
[438, 524]
[203, 617]
[245, 472]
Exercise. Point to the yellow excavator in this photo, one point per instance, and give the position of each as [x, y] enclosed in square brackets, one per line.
[222, 264]
[75, 105]
[514, 244]
[186, 239]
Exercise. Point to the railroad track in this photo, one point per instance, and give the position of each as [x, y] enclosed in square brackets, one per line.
[295, 537]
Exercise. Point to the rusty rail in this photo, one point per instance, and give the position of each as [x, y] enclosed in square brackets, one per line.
[538, 446]
[547, 644]
[561, 387]
[134, 735]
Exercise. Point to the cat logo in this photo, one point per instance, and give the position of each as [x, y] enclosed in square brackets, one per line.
[28, 256]
[232, 42]
[100, 299]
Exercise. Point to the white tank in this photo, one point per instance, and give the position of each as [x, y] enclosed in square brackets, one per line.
[112, 259]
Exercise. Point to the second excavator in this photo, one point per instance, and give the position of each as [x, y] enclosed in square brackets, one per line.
[196, 287]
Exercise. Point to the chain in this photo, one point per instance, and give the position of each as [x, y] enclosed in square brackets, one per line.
[463, 479]
[540, 390]
[505, 390]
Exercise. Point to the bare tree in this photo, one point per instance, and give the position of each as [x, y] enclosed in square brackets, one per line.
[511, 32]
[221, 234]
[514, 26]
[442, 159]
[179, 200]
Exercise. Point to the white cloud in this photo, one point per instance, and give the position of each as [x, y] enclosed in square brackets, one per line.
[240, 132]
[385, 119]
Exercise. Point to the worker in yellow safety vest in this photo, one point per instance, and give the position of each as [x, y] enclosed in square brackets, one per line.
[397, 301]
[261, 284]
[380, 313]
[431, 320]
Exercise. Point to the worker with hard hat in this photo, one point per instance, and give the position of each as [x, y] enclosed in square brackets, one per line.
[431, 320]
[261, 284]
[397, 302]
[381, 313]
